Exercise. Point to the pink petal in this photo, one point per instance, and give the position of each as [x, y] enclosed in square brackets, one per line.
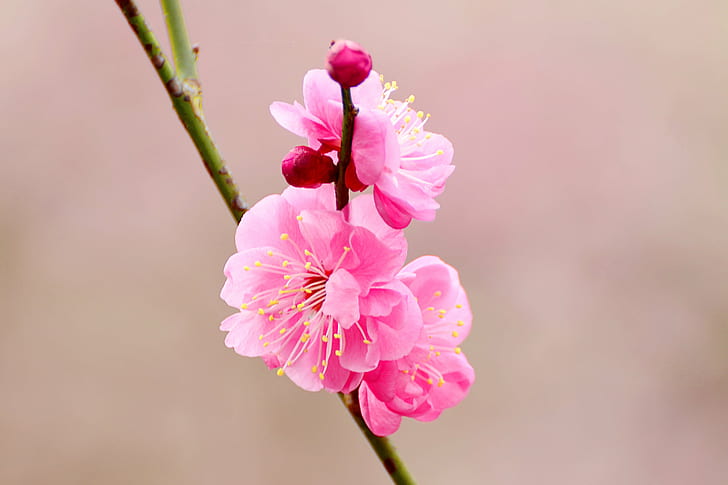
[373, 144]
[325, 234]
[358, 356]
[373, 261]
[318, 90]
[242, 283]
[396, 333]
[390, 211]
[322, 198]
[369, 93]
[342, 298]
[380, 301]
[380, 420]
[290, 116]
[428, 146]
[362, 212]
[265, 222]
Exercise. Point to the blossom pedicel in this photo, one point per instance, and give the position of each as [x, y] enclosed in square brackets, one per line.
[322, 294]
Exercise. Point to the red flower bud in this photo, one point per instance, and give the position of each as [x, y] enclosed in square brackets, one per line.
[305, 167]
[348, 63]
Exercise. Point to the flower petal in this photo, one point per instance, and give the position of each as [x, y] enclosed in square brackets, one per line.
[374, 145]
[380, 420]
[342, 298]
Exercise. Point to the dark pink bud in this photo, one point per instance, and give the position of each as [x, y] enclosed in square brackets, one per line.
[305, 167]
[348, 63]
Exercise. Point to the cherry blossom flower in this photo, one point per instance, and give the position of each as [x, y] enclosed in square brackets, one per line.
[435, 375]
[407, 165]
[317, 289]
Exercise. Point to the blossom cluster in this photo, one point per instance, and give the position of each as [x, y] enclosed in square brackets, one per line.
[324, 295]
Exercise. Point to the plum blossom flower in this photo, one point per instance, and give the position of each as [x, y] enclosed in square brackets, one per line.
[435, 375]
[407, 165]
[317, 289]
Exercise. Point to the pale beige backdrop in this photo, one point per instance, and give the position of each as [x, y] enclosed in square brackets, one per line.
[588, 216]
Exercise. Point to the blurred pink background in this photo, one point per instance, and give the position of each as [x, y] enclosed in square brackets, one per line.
[588, 216]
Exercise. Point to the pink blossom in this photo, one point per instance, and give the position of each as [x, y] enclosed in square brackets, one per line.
[317, 289]
[435, 375]
[391, 150]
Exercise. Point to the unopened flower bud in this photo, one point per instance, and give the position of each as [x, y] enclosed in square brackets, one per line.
[306, 167]
[348, 63]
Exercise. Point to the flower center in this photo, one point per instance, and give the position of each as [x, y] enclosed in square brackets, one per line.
[292, 307]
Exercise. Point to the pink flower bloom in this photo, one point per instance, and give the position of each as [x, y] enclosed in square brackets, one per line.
[435, 375]
[317, 292]
[391, 150]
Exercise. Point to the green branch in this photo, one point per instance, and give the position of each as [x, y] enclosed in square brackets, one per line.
[186, 96]
[380, 444]
[184, 57]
